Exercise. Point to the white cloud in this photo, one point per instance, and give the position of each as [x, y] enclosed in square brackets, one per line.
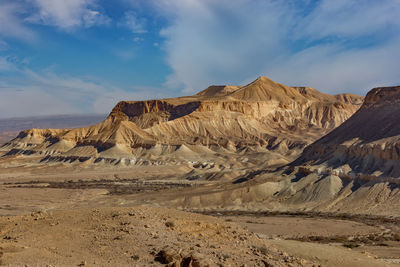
[46, 93]
[30, 100]
[11, 24]
[68, 14]
[92, 17]
[334, 70]
[212, 41]
[332, 45]
[346, 18]
[133, 22]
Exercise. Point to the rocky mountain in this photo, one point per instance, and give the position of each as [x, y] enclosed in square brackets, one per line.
[368, 143]
[353, 169]
[263, 116]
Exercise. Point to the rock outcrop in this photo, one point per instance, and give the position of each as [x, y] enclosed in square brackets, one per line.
[262, 116]
[366, 144]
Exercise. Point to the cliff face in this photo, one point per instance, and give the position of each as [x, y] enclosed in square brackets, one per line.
[261, 116]
[368, 142]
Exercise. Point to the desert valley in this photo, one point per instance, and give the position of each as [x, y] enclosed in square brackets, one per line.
[256, 175]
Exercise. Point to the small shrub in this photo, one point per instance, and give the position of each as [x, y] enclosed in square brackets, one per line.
[170, 224]
[135, 257]
[263, 250]
[226, 256]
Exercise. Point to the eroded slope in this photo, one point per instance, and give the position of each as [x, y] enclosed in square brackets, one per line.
[367, 143]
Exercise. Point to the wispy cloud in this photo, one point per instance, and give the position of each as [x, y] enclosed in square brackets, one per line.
[332, 45]
[334, 70]
[69, 14]
[133, 22]
[349, 18]
[45, 92]
[11, 25]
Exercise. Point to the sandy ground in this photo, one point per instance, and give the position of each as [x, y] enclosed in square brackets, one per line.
[296, 227]
[327, 254]
[333, 234]
[62, 215]
[332, 239]
[136, 236]
[67, 227]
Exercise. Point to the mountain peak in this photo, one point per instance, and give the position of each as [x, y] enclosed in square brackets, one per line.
[262, 79]
[264, 88]
[218, 90]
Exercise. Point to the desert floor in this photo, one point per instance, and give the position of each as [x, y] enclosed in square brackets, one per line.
[55, 216]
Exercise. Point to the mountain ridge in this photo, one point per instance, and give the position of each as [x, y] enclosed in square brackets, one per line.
[261, 116]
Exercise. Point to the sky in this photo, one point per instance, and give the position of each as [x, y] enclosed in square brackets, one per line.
[83, 56]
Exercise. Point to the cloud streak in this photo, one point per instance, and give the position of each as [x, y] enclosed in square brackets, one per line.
[336, 46]
[69, 14]
[133, 22]
[45, 92]
[11, 25]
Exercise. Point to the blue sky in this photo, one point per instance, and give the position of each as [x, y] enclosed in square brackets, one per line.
[83, 56]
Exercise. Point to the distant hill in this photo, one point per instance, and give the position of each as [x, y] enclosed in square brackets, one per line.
[10, 127]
